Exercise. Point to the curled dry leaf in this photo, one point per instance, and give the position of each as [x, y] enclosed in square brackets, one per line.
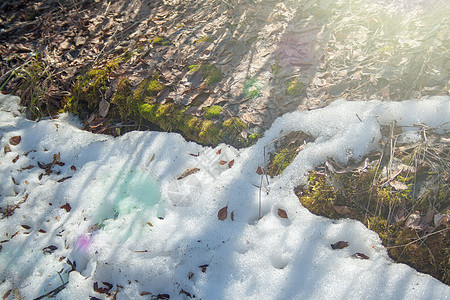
[360, 256]
[49, 249]
[231, 163]
[7, 148]
[188, 172]
[282, 213]
[222, 162]
[223, 213]
[15, 140]
[203, 267]
[339, 245]
[232, 215]
[15, 159]
[64, 179]
[66, 207]
[219, 151]
[260, 171]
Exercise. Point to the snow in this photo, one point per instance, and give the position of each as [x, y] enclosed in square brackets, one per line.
[132, 224]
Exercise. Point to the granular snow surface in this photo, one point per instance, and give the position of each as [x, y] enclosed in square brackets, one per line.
[114, 210]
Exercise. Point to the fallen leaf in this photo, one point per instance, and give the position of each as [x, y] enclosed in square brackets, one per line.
[339, 245]
[260, 171]
[188, 172]
[27, 167]
[413, 220]
[150, 224]
[360, 256]
[190, 275]
[144, 293]
[222, 162]
[103, 108]
[15, 140]
[66, 207]
[64, 179]
[231, 163]
[15, 159]
[223, 213]
[219, 151]
[399, 186]
[25, 226]
[342, 210]
[195, 155]
[232, 215]
[282, 213]
[49, 249]
[42, 231]
[73, 168]
[6, 295]
[7, 148]
[203, 267]
[103, 290]
[162, 297]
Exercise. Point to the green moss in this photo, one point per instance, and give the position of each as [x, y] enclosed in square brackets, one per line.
[123, 99]
[165, 43]
[210, 73]
[294, 87]
[205, 39]
[276, 68]
[157, 40]
[374, 206]
[279, 161]
[213, 112]
[89, 89]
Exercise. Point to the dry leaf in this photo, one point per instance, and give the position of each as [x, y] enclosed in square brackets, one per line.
[282, 213]
[231, 163]
[360, 256]
[66, 207]
[232, 215]
[15, 159]
[49, 249]
[222, 214]
[342, 210]
[188, 172]
[7, 148]
[15, 140]
[64, 179]
[222, 162]
[73, 168]
[203, 267]
[399, 186]
[260, 171]
[219, 151]
[103, 108]
[413, 220]
[339, 245]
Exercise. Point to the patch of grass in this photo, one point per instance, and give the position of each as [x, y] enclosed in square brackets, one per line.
[205, 39]
[294, 87]
[213, 112]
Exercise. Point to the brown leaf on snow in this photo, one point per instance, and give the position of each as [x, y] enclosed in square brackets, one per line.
[188, 172]
[203, 267]
[232, 215]
[342, 210]
[15, 140]
[231, 163]
[66, 207]
[360, 256]
[260, 171]
[222, 162]
[282, 213]
[7, 148]
[15, 159]
[223, 213]
[219, 151]
[339, 245]
[64, 179]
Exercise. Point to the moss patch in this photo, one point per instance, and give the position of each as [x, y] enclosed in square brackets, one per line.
[213, 112]
[385, 210]
[210, 73]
